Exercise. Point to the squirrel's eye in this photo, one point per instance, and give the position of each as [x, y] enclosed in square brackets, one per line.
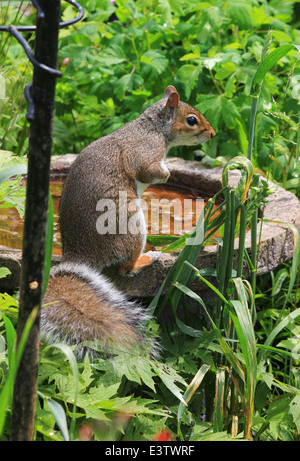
[192, 121]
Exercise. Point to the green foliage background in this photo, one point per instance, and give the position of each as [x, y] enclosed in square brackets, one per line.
[120, 58]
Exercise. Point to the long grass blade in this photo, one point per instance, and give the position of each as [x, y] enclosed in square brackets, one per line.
[242, 236]
[228, 352]
[60, 417]
[278, 328]
[218, 420]
[254, 219]
[241, 317]
[254, 104]
[191, 389]
[13, 170]
[14, 355]
[267, 63]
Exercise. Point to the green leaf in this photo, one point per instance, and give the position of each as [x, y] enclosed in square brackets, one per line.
[122, 86]
[295, 410]
[166, 12]
[281, 36]
[281, 276]
[226, 69]
[211, 107]
[240, 14]
[135, 368]
[4, 272]
[156, 60]
[230, 86]
[125, 84]
[229, 113]
[67, 351]
[189, 74]
[279, 415]
[169, 377]
[190, 56]
[102, 392]
[77, 53]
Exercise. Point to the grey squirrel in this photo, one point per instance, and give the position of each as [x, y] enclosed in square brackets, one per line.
[80, 303]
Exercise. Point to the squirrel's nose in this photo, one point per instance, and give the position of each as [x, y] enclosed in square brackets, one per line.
[212, 132]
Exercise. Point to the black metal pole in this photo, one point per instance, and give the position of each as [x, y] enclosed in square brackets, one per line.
[42, 93]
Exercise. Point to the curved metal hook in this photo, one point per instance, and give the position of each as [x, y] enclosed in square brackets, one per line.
[78, 17]
[13, 30]
[31, 109]
[41, 14]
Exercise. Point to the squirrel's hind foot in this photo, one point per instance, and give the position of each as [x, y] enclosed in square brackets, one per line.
[144, 260]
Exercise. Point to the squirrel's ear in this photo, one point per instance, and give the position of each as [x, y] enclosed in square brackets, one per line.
[172, 96]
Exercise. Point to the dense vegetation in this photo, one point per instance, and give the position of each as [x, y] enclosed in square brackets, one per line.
[115, 62]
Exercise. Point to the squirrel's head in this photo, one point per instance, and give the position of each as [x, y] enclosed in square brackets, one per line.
[186, 125]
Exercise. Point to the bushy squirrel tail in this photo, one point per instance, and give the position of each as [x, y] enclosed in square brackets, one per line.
[82, 305]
